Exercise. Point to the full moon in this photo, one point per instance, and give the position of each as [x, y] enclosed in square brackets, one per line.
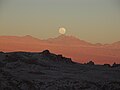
[62, 30]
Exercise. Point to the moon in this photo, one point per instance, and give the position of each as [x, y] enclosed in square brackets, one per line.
[62, 30]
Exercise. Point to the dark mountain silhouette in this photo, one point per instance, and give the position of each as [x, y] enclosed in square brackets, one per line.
[48, 71]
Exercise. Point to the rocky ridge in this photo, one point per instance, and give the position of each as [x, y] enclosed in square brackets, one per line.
[48, 71]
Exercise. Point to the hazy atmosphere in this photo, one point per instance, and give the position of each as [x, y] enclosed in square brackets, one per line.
[59, 44]
[91, 20]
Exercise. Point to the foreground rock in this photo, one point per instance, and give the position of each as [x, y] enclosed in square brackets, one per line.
[47, 71]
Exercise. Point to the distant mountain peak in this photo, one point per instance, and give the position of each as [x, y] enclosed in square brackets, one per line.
[66, 39]
[66, 36]
[117, 43]
[28, 36]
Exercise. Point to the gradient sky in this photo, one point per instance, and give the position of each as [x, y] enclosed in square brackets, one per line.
[91, 20]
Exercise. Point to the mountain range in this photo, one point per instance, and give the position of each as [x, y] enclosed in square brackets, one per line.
[70, 46]
[48, 71]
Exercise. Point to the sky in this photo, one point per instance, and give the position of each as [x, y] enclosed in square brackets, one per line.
[96, 21]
